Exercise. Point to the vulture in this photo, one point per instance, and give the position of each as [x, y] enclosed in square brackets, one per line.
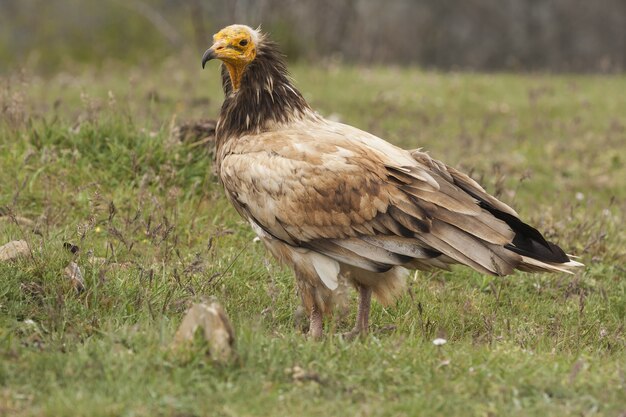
[337, 204]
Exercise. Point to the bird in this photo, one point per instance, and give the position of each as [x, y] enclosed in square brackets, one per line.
[338, 204]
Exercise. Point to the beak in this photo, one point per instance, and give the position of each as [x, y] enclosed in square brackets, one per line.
[208, 55]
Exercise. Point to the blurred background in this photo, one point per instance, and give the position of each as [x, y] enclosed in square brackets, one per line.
[475, 35]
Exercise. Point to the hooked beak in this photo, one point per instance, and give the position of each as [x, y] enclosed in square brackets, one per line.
[208, 55]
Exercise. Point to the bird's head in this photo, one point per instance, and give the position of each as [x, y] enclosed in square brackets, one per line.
[236, 46]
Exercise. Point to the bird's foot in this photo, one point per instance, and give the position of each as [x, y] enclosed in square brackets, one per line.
[361, 327]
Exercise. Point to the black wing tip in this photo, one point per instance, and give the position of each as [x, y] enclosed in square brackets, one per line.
[528, 241]
[536, 250]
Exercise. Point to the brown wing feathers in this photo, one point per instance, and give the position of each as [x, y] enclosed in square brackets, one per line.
[458, 226]
[457, 218]
[526, 240]
[441, 219]
[475, 228]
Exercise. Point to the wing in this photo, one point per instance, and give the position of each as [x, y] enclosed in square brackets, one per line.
[362, 201]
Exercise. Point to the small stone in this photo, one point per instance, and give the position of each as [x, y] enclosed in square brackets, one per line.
[217, 330]
[72, 271]
[14, 250]
[439, 341]
[22, 222]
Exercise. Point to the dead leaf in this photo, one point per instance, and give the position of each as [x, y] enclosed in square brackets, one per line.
[71, 247]
[299, 375]
[72, 271]
[217, 330]
[13, 250]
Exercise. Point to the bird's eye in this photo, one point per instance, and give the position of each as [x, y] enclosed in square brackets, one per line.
[243, 42]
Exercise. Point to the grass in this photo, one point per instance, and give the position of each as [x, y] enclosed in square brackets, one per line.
[87, 156]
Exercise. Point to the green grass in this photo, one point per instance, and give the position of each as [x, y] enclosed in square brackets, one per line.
[100, 170]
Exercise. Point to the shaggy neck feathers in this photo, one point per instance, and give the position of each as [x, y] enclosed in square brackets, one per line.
[264, 98]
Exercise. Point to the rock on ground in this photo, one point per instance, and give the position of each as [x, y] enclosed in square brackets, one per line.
[216, 327]
[13, 250]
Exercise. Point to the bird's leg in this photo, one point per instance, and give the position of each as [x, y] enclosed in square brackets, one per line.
[315, 325]
[361, 326]
[363, 313]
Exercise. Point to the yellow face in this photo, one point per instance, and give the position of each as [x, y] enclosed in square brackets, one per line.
[235, 46]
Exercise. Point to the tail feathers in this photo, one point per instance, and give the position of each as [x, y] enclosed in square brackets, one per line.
[529, 264]
[538, 254]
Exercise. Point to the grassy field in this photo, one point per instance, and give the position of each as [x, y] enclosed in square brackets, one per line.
[88, 157]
